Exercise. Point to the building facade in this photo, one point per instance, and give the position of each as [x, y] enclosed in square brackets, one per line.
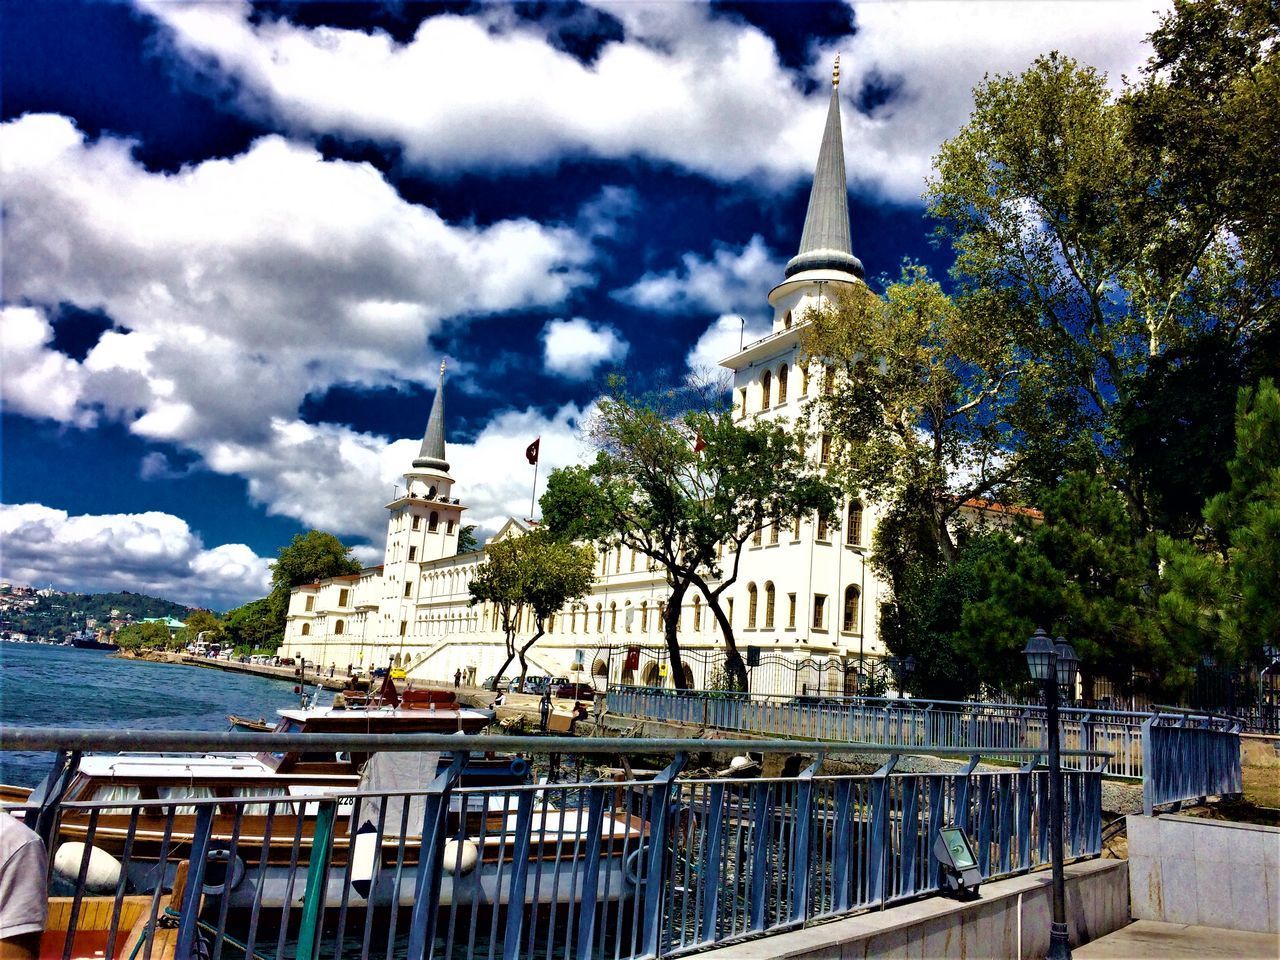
[805, 600]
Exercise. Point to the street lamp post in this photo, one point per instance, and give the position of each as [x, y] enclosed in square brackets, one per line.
[1054, 665]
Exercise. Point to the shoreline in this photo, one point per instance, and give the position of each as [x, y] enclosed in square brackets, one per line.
[312, 678]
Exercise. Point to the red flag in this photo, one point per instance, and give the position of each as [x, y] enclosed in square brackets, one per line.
[531, 452]
[699, 444]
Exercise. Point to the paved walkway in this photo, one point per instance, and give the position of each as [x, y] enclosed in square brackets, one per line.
[1145, 939]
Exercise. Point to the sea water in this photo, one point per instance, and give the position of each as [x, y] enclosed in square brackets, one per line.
[53, 686]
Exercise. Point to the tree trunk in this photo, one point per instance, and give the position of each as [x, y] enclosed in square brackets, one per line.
[511, 655]
[524, 666]
[670, 620]
[733, 665]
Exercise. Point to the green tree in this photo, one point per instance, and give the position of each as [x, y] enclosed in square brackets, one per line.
[198, 622]
[1222, 596]
[467, 541]
[144, 636]
[254, 625]
[310, 556]
[536, 573]
[689, 510]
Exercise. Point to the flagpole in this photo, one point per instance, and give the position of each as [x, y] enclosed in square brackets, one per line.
[533, 494]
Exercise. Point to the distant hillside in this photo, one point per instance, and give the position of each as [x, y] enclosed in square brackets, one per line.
[66, 613]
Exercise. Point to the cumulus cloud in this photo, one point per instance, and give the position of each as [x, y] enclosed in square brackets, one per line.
[707, 94]
[720, 340]
[153, 553]
[244, 283]
[734, 278]
[576, 348]
[37, 381]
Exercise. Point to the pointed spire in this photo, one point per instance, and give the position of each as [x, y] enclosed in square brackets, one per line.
[825, 244]
[431, 456]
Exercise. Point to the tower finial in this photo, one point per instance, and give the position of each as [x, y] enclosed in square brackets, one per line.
[442, 363]
[835, 72]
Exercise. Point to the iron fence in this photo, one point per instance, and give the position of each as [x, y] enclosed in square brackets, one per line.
[924, 725]
[598, 869]
[1189, 757]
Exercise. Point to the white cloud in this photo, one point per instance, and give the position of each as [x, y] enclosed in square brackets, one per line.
[34, 380]
[575, 348]
[244, 283]
[734, 278]
[724, 337]
[153, 553]
[488, 91]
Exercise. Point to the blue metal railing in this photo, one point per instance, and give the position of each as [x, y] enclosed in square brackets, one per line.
[924, 725]
[594, 869]
[1189, 757]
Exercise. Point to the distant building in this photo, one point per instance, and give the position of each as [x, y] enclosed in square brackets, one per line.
[173, 625]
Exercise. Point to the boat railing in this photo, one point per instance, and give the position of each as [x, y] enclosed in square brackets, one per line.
[594, 868]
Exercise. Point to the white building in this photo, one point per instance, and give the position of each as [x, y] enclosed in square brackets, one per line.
[805, 598]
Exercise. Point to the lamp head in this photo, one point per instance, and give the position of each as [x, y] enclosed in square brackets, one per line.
[1067, 663]
[1040, 656]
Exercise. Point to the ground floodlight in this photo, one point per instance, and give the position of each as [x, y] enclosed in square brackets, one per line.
[959, 875]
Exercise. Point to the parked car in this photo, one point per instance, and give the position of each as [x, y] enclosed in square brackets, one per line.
[576, 691]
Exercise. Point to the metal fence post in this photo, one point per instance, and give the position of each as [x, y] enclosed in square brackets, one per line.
[712, 855]
[591, 874]
[195, 881]
[880, 831]
[511, 945]
[655, 874]
[317, 881]
[800, 842]
[426, 898]
[1148, 768]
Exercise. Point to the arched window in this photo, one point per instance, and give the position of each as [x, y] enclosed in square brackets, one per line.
[752, 601]
[853, 529]
[852, 608]
[599, 669]
[782, 384]
[613, 616]
[804, 379]
[742, 402]
[338, 626]
[644, 616]
[573, 619]
[649, 677]
[697, 614]
[551, 623]
[604, 560]
[829, 380]
[768, 606]
[306, 629]
[766, 388]
[617, 561]
[786, 320]
[775, 522]
[599, 618]
[433, 522]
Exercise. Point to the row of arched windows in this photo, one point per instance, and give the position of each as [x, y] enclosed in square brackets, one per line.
[774, 385]
[852, 528]
[850, 623]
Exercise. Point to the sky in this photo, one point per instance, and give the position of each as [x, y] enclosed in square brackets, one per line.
[240, 237]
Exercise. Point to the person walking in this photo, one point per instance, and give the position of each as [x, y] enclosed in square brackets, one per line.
[457, 678]
[544, 709]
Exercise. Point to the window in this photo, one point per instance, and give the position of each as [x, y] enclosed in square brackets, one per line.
[786, 320]
[819, 610]
[795, 527]
[604, 561]
[628, 615]
[433, 522]
[311, 604]
[306, 629]
[742, 402]
[644, 616]
[774, 523]
[573, 619]
[829, 380]
[728, 613]
[766, 388]
[756, 537]
[782, 384]
[599, 618]
[413, 554]
[853, 528]
[852, 608]
[804, 380]
[822, 535]
[404, 627]
[824, 456]
[417, 522]
[343, 597]
[448, 527]
[751, 606]
[338, 626]
[617, 561]
[633, 561]
[768, 606]
[408, 588]
[551, 623]
[697, 614]
[791, 611]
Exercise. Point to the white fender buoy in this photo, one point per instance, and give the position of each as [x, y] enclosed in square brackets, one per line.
[738, 763]
[460, 857]
[104, 869]
[365, 854]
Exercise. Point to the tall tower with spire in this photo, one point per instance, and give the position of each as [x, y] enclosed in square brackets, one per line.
[422, 525]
